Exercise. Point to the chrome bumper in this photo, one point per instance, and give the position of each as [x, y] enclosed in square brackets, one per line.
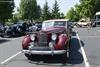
[44, 52]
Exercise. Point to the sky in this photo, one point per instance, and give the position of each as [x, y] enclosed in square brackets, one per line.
[64, 5]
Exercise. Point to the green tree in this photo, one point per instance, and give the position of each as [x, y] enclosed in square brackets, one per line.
[39, 12]
[46, 12]
[55, 10]
[78, 9]
[62, 16]
[97, 6]
[87, 8]
[6, 9]
[72, 15]
[91, 7]
[29, 9]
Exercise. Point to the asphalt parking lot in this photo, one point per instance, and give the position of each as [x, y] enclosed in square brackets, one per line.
[84, 52]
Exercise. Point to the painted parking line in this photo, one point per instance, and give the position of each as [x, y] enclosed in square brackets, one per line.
[83, 52]
[9, 59]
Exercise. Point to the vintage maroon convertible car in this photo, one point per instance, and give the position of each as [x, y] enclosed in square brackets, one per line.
[52, 39]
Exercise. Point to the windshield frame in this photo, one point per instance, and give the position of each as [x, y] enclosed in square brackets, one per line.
[49, 24]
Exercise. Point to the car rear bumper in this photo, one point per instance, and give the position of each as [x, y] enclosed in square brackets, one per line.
[44, 52]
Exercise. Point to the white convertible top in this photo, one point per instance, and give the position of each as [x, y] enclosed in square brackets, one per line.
[57, 20]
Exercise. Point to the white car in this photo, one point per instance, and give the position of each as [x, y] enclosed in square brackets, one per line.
[83, 23]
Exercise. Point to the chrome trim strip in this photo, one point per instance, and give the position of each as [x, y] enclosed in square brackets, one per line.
[44, 52]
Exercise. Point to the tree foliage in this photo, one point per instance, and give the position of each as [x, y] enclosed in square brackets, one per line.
[97, 6]
[39, 12]
[55, 11]
[6, 9]
[72, 15]
[46, 12]
[86, 9]
[29, 9]
[62, 16]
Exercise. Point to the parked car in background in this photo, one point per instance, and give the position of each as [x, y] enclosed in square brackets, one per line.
[96, 19]
[38, 25]
[52, 39]
[16, 29]
[32, 28]
[1, 29]
[83, 23]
